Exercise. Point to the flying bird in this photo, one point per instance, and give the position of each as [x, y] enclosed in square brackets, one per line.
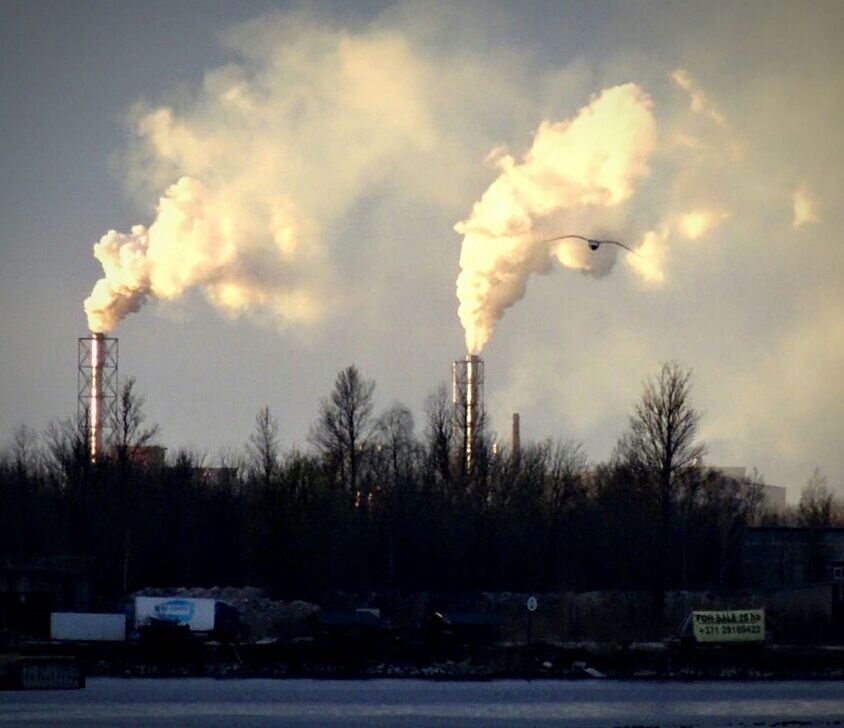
[592, 242]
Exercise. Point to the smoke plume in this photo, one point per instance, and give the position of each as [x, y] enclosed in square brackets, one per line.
[589, 163]
[195, 241]
[256, 172]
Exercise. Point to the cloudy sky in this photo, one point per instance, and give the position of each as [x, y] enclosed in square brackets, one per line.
[277, 191]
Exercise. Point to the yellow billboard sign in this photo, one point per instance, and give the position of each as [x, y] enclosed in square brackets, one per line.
[738, 625]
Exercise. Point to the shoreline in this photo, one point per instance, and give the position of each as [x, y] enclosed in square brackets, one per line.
[537, 662]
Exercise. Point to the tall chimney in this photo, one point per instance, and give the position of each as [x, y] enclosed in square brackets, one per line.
[516, 443]
[97, 384]
[95, 407]
[468, 400]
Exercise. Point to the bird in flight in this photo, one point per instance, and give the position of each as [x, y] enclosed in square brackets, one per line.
[592, 242]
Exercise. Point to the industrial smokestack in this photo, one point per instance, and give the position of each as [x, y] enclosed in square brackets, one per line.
[468, 400]
[95, 410]
[516, 437]
[97, 383]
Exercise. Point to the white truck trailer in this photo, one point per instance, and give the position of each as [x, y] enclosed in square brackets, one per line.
[209, 616]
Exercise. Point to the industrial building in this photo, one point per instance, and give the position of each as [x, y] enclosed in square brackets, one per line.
[780, 556]
[773, 495]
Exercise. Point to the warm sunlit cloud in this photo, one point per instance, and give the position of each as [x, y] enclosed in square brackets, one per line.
[699, 101]
[696, 224]
[805, 207]
[649, 261]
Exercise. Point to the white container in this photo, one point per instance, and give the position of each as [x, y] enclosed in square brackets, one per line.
[87, 626]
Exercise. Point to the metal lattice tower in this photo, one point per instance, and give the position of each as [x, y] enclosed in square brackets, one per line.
[468, 401]
[98, 390]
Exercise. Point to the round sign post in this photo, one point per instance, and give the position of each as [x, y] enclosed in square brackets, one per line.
[531, 605]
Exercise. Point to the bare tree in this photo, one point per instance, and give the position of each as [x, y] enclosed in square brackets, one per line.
[395, 436]
[130, 433]
[439, 431]
[815, 511]
[738, 503]
[24, 451]
[566, 464]
[394, 460]
[129, 436]
[344, 425]
[263, 445]
[66, 455]
[816, 501]
[660, 450]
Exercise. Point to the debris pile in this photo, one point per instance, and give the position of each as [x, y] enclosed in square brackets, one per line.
[264, 619]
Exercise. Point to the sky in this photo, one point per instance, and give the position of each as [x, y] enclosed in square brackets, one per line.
[314, 179]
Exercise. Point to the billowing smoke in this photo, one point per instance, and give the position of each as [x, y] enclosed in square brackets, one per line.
[256, 172]
[195, 240]
[587, 164]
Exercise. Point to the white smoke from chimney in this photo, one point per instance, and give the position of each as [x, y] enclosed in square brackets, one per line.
[592, 161]
[257, 173]
[195, 240]
[125, 287]
[260, 167]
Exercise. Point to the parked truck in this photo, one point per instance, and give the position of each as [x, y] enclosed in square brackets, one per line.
[210, 618]
[87, 627]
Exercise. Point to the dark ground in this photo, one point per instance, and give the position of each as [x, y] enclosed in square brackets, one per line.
[589, 703]
[386, 658]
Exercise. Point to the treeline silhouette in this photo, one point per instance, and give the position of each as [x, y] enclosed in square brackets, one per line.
[378, 504]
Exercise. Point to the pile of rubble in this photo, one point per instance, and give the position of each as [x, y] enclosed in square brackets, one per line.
[264, 619]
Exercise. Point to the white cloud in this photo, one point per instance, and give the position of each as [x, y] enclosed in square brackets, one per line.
[699, 102]
[804, 206]
[696, 224]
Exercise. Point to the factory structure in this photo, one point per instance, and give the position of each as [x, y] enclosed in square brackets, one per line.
[467, 386]
[98, 391]
[98, 395]
[467, 377]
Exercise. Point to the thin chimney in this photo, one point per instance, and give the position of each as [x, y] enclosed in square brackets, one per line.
[97, 386]
[468, 400]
